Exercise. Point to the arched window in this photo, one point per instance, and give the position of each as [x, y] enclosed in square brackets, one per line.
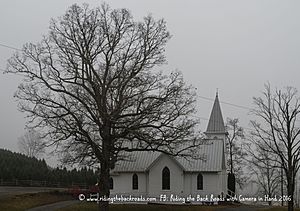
[166, 179]
[111, 183]
[199, 182]
[135, 182]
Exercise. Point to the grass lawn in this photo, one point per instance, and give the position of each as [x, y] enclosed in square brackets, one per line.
[277, 209]
[89, 206]
[26, 201]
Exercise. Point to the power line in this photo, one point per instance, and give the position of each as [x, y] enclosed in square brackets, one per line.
[231, 104]
[10, 47]
[205, 119]
[206, 98]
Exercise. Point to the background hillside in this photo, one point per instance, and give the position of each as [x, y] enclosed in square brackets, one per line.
[19, 169]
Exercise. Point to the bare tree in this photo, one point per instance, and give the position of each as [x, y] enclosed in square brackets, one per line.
[93, 87]
[31, 144]
[235, 152]
[264, 168]
[277, 130]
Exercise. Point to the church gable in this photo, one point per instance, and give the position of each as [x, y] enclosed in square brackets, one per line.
[165, 175]
[163, 156]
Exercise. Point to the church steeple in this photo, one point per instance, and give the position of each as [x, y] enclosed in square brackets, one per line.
[216, 123]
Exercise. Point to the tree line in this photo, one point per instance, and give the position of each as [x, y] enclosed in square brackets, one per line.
[17, 166]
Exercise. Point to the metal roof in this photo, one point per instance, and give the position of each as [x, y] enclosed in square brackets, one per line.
[210, 159]
[216, 123]
[210, 154]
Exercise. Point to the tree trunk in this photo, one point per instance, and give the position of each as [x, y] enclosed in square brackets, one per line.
[231, 184]
[291, 203]
[104, 187]
[290, 192]
[231, 159]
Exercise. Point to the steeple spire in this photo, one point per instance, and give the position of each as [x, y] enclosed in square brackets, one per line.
[216, 123]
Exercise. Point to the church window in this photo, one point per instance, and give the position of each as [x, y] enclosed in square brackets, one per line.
[166, 179]
[200, 182]
[135, 182]
[111, 183]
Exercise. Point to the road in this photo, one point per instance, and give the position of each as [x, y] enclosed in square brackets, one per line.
[54, 206]
[6, 191]
[241, 208]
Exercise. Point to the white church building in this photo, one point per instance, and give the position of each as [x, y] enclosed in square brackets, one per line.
[152, 174]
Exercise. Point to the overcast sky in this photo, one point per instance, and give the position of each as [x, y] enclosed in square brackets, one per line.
[233, 45]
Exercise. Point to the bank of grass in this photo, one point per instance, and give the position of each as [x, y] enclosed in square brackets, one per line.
[26, 201]
[277, 209]
[88, 206]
